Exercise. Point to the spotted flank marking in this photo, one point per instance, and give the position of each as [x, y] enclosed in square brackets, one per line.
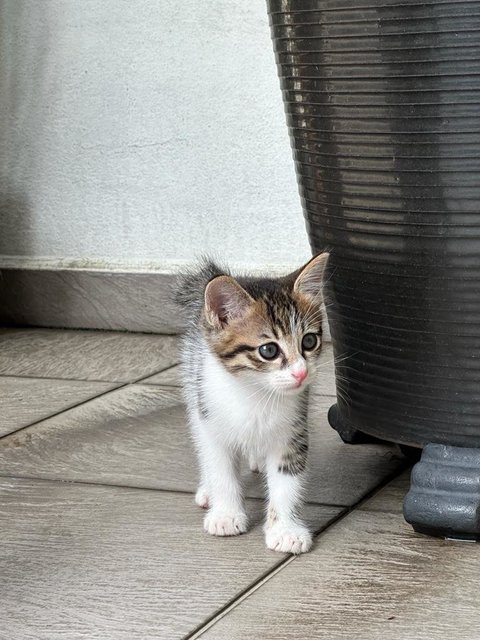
[294, 460]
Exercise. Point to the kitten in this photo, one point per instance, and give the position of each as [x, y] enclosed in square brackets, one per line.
[248, 355]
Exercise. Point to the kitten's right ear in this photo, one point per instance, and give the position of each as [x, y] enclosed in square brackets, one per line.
[225, 300]
[310, 280]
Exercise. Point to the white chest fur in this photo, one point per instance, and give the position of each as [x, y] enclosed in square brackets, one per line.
[246, 414]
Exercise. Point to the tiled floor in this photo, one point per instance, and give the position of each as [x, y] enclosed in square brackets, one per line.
[100, 538]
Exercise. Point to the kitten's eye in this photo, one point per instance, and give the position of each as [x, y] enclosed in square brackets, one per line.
[269, 351]
[309, 341]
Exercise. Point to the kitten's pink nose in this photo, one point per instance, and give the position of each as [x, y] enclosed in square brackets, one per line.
[300, 375]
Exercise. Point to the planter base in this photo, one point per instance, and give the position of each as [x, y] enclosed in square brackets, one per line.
[444, 496]
[346, 431]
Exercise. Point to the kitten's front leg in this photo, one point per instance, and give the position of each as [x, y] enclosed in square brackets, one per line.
[284, 531]
[220, 478]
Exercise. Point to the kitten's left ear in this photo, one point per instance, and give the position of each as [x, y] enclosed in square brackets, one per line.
[310, 280]
[225, 300]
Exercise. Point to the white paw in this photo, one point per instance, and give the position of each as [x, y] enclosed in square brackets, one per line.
[222, 523]
[201, 497]
[288, 537]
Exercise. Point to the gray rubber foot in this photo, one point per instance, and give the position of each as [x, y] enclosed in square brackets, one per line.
[444, 496]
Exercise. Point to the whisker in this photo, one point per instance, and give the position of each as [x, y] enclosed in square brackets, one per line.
[334, 271]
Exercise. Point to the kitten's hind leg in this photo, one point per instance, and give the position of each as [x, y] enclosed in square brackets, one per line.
[284, 531]
[255, 463]
[202, 497]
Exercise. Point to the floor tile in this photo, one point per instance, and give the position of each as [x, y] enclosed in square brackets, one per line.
[168, 378]
[137, 436]
[84, 355]
[391, 497]
[369, 577]
[26, 400]
[85, 562]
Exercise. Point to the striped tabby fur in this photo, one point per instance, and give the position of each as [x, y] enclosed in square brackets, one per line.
[249, 353]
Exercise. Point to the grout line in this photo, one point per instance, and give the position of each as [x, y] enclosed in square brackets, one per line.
[116, 485]
[165, 385]
[144, 383]
[92, 483]
[82, 402]
[9, 328]
[57, 413]
[171, 366]
[212, 620]
[62, 379]
[57, 379]
[202, 628]
[245, 593]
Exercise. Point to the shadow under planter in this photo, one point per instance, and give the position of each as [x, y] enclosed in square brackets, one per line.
[383, 109]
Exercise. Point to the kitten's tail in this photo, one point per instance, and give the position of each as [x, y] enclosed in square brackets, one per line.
[190, 286]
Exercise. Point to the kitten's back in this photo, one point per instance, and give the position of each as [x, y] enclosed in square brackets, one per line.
[191, 286]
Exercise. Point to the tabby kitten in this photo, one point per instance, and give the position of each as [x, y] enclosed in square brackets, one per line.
[249, 353]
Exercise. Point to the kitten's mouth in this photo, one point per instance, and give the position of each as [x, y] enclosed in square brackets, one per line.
[294, 387]
[299, 384]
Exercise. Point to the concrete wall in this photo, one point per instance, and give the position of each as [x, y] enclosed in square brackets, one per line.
[138, 134]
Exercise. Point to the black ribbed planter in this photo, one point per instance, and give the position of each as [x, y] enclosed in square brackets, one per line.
[383, 107]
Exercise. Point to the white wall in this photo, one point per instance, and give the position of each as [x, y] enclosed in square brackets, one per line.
[140, 133]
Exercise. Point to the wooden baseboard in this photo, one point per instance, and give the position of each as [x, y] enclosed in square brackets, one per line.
[88, 300]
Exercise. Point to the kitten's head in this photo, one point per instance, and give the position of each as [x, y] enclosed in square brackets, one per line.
[267, 332]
